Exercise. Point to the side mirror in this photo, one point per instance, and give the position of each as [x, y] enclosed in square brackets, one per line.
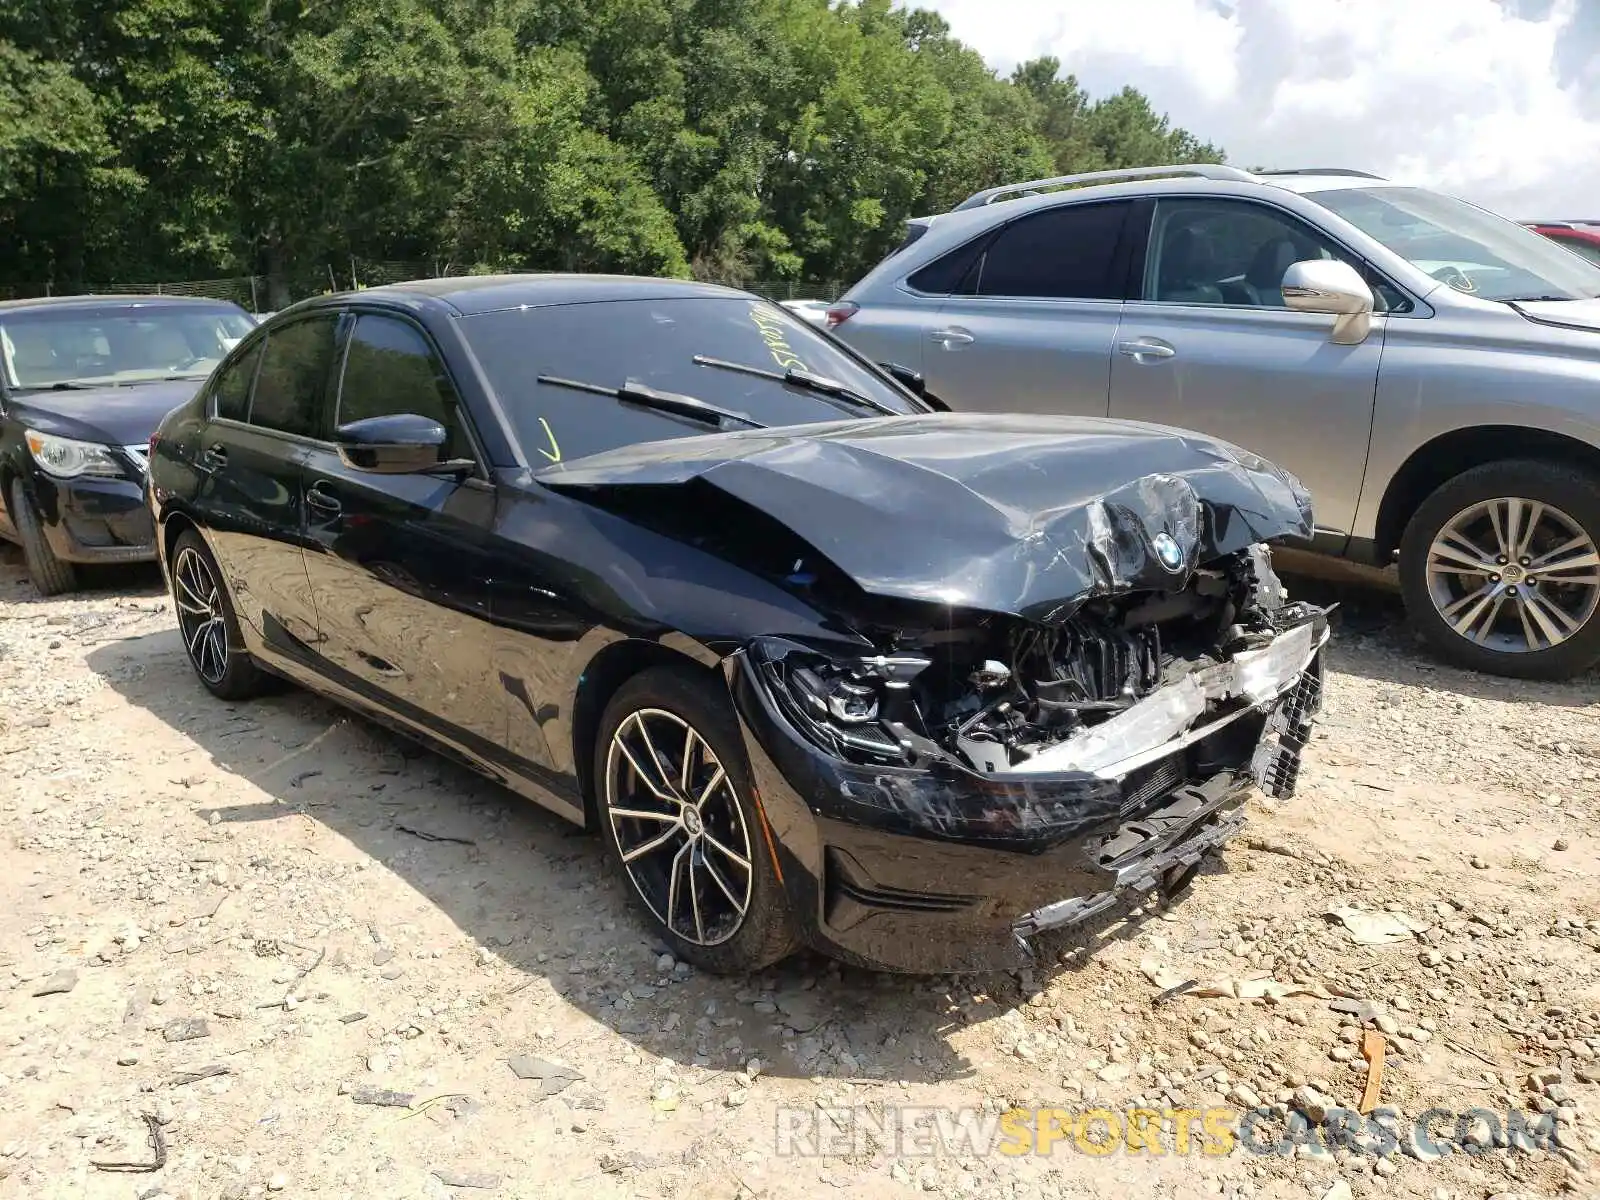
[914, 383]
[1326, 285]
[399, 445]
[911, 380]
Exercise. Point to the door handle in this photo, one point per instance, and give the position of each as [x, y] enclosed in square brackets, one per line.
[952, 337]
[1141, 348]
[215, 455]
[319, 499]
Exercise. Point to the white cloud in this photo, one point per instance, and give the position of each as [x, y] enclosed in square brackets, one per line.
[1495, 100]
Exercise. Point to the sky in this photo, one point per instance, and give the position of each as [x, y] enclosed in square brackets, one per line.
[1497, 101]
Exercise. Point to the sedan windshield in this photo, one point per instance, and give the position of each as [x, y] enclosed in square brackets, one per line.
[119, 343]
[733, 353]
[1469, 248]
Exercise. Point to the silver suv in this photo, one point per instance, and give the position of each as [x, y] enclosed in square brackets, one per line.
[1431, 371]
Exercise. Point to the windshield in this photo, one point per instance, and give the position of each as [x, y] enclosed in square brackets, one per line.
[654, 342]
[119, 343]
[1472, 250]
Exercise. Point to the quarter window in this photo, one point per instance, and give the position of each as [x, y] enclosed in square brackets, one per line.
[232, 393]
[1065, 253]
[390, 369]
[294, 376]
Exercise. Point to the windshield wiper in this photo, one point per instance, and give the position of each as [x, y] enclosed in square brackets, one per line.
[648, 397]
[1533, 299]
[68, 385]
[819, 385]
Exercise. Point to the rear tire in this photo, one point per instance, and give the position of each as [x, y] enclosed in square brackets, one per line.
[708, 886]
[1488, 606]
[207, 625]
[51, 576]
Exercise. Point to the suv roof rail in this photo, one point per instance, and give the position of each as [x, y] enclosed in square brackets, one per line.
[1322, 171]
[1202, 170]
[1565, 222]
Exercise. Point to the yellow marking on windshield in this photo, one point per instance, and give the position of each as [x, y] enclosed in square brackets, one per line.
[770, 326]
[554, 453]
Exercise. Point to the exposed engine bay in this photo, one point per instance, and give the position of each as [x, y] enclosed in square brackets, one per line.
[1121, 678]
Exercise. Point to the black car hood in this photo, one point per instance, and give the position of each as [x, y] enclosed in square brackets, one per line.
[1027, 515]
[121, 416]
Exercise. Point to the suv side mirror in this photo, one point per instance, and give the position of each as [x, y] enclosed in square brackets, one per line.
[1326, 285]
[397, 445]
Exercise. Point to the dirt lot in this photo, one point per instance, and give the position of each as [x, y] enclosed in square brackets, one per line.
[318, 912]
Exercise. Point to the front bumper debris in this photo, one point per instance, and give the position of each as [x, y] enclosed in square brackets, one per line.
[945, 869]
[1159, 847]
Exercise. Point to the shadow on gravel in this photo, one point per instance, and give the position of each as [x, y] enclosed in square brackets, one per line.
[1372, 639]
[542, 895]
[133, 579]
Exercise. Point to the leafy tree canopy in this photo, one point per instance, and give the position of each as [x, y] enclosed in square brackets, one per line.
[735, 139]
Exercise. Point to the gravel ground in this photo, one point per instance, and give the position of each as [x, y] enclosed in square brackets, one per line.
[243, 925]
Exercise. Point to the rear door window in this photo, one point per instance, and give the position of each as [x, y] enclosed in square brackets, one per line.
[294, 376]
[1064, 253]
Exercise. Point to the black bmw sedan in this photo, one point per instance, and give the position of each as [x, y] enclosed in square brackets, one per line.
[84, 380]
[823, 665]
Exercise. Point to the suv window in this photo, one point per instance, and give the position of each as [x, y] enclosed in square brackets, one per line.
[1064, 253]
[232, 391]
[294, 372]
[1234, 252]
[1582, 247]
[390, 369]
[948, 273]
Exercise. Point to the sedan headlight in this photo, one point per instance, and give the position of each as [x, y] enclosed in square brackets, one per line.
[850, 705]
[67, 458]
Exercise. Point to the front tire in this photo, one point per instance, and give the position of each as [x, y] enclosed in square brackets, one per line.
[677, 811]
[1501, 569]
[207, 624]
[50, 575]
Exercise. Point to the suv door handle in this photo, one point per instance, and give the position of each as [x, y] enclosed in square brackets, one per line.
[319, 498]
[214, 456]
[1142, 348]
[952, 337]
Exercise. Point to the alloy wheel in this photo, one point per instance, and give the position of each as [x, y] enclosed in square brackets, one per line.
[679, 827]
[200, 615]
[1514, 575]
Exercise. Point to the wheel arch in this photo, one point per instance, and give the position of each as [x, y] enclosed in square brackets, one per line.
[173, 525]
[604, 676]
[1448, 455]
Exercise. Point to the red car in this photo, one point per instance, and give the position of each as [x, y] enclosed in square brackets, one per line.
[1581, 237]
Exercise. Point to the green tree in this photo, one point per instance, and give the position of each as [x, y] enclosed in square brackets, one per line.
[1100, 135]
[739, 139]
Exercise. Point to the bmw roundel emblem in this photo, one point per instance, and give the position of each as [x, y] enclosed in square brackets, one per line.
[1168, 553]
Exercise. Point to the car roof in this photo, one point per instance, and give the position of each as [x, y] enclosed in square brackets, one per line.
[984, 216]
[108, 301]
[489, 293]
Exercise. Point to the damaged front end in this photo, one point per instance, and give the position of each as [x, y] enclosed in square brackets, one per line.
[1122, 683]
[1118, 741]
[1042, 661]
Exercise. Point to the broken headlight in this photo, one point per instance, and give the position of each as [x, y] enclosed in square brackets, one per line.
[834, 694]
[850, 705]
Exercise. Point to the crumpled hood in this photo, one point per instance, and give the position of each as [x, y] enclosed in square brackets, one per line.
[1028, 515]
[121, 416]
